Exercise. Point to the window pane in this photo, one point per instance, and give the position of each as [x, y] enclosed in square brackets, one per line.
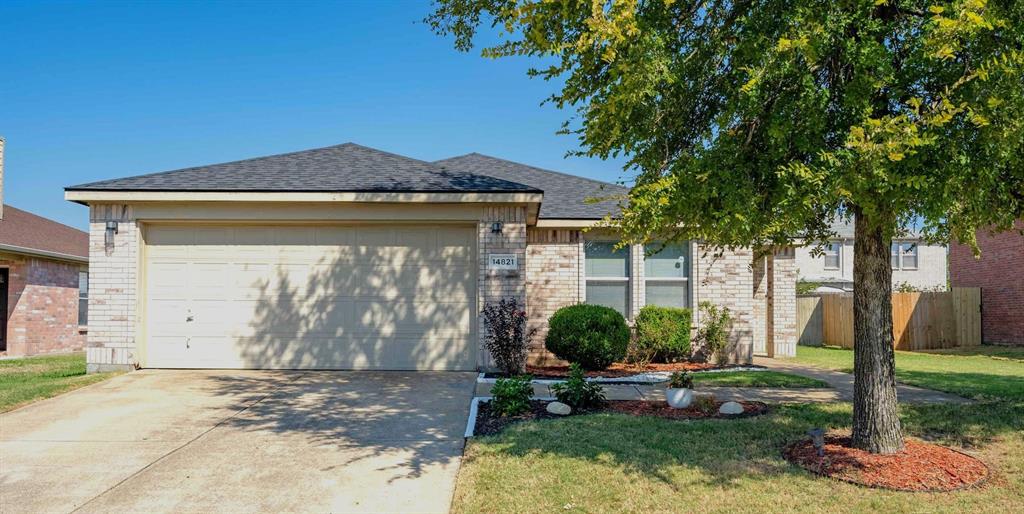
[83, 311]
[83, 284]
[609, 294]
[668, 294]
[894, 256]
[603, 261]
[671, 262]
[909, 255]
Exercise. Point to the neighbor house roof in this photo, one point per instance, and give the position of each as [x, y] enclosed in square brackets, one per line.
[565, 196]
[845, 230]
[343, 168]
[24, 232]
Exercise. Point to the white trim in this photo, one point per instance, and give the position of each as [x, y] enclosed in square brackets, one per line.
[243, 196]
[43, 253]
[566, 223]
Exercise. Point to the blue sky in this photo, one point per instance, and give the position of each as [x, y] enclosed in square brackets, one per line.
[94, 90]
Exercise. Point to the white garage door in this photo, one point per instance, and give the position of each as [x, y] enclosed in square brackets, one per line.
[310, 297]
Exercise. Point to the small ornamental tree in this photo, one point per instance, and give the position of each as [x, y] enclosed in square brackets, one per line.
[507, 337]
[756, 124]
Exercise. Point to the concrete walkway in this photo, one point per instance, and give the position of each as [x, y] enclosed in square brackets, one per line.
[239, 441]
[843, 382]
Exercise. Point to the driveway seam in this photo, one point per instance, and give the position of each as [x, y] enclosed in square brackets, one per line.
[186, 443]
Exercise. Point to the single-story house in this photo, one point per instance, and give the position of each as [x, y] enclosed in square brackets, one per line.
[347, 257]
[915, 262]
[44, 284]
[999, 272]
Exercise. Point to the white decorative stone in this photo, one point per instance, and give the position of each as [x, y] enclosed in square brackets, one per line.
[730, 408]
[559, 409]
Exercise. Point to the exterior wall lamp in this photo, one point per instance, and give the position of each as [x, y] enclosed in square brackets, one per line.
[496, 227]
[108, 236]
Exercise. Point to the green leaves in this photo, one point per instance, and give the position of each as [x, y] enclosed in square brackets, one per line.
[749, 123]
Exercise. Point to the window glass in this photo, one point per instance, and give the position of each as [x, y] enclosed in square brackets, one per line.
[672, 261]
[609, 294]
[894, 256]
[832, 255]
[909, 251]
[83, 297]
[667, 294]
[602, 260]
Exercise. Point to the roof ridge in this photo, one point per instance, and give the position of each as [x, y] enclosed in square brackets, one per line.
[538, 168]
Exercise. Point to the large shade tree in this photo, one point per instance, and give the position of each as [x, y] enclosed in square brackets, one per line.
[755, 123]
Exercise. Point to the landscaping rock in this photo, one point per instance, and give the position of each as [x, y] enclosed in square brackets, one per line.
[730, 408]
[562, 409]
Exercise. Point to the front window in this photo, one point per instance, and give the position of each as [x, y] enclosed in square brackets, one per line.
[667, 275]
[83, 298]
[903, 256]
[607, 272]
[832, 255]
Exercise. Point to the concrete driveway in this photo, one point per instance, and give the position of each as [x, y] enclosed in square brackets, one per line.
[247, 441]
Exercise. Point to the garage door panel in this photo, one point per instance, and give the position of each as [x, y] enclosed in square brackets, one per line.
[317, 297]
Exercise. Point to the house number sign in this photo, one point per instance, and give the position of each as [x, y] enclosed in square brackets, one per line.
[502, 261]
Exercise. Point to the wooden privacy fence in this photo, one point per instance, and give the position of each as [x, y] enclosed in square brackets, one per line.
[920, 321]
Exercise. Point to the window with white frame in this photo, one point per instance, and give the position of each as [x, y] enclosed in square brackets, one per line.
[607, 273]
[667, 274]
[903, 256]
[83, 298]
[833, 255]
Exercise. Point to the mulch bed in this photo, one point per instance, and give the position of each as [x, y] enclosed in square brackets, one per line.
[620, 370]
[489, 423]
[921, 466]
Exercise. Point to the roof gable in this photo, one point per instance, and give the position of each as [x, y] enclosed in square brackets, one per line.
[342, 168]
[565, 196]
[23, 230]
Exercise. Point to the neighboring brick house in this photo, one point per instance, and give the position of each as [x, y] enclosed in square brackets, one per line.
[999, 272]
[43, 284]
[347, 257]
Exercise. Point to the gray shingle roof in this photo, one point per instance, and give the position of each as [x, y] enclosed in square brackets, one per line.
[343, 168]
[564, 195]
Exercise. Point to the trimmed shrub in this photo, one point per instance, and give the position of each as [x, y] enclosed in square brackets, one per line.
[511, 396]
[662, 334]
[577, 393]
[592, 336]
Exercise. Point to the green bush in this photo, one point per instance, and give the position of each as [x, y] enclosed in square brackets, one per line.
[577, 393]
[714, 333]
[662, 334]
[511, 396]
[592, 336]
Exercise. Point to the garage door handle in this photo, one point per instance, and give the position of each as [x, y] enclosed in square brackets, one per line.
[190, 318]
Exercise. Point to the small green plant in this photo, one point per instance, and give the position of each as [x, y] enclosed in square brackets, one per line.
[511, 396]
[662, 334]
[714, 332]
[705, 403]
[577, 393]
[806, 287]
[592, 336]
[680, 380]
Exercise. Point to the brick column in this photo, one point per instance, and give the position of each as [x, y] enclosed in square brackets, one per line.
[113, 283]
[495, 285]
[781, 322]
[726, 280]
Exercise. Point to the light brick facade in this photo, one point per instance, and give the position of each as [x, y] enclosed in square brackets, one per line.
[999, 272]
[113, 289]
[42, 305]
[495, 285]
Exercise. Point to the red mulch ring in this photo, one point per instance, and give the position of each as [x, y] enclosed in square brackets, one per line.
[488, 422]
[921, 466]
[621, 369]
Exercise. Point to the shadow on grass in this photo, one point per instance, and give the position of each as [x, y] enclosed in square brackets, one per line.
[730, 452]
[983, 386]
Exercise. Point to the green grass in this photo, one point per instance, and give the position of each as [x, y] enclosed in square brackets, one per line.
[618, 463]
[980, 372]
[756, 379]
[24, 381]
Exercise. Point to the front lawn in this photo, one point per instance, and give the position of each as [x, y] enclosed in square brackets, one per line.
[23, 381]
[979, 372]
[618, 463]
[756, 379]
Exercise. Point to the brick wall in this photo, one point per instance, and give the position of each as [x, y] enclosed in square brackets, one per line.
[999, 272]
[554, 279]
[726, 279]
[495, 285]
[113, 279]
[780, 303]
[42, 305]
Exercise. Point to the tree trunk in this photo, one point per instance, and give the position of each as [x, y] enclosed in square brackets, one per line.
[876, 423]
